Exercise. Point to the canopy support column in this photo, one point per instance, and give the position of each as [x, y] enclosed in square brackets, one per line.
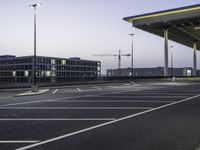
[166, 52]
[194, 59]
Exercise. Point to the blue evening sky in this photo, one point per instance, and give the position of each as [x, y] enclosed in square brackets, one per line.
[81, 28]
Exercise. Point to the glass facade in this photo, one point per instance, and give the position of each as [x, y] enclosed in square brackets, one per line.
[57, 70]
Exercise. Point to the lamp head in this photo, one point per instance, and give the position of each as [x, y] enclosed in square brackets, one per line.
[35, 5]
[132, 34]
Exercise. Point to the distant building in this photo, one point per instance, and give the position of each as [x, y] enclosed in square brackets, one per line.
[142, 72]
[48, 69]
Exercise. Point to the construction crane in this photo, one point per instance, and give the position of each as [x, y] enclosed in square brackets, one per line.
[119, 55]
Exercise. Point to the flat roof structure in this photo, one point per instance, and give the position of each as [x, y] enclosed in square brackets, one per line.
[181, 25]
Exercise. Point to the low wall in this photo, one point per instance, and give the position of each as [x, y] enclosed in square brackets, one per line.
[101, 80]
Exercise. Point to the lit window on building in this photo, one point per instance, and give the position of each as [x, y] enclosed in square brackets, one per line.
[63, 62]
[26, 73]
[14, 73]
[98, 68]
[189, 73]
[53, 73]
[48, 73]
[42, 73]
[53, 61]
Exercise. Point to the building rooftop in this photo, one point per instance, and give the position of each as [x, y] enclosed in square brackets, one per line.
[7, 56]
[71, 58]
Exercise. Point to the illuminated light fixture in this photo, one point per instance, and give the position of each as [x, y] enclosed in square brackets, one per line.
[189, 73]
[197, 28]
[48, 73]
[63, 62]
[26, 73]
[98, 68]
[53, 61]
[14, 73]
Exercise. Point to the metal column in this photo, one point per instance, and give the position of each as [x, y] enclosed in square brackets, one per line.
[166, 52]
[119, 60]
[194, 59]
[34, 58]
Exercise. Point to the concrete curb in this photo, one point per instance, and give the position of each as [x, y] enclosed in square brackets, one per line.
[29, 93]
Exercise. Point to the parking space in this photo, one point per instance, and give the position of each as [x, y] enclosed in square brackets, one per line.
[27, 125]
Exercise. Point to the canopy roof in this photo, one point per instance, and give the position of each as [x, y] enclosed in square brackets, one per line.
[183, 24]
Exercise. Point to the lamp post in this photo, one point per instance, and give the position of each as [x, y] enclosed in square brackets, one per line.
[132, 34]
[34, 86]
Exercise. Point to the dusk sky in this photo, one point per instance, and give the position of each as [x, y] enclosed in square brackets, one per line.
[81, 28]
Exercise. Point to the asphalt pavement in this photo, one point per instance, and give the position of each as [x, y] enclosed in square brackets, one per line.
[143, 116]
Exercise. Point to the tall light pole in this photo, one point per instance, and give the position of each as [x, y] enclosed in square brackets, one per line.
[132, 34]
[34, 86]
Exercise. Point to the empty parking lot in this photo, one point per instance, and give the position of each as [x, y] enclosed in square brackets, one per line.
[145, 116]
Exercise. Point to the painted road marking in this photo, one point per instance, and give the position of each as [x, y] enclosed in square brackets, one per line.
[54, 92]
[158, 93]
[89, 89]
[104, 124]
[120, 86]
[6, 97]
[57, 119]
[59, 108]
[97, 88]
[21, 142]
[145, 96]
[50, 100]
[78, 89]
[127, 84]
[112, 101]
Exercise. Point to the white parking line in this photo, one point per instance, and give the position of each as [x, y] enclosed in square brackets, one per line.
[54, 92]
[49, 100]
[97, 88]
[32, 102]
[157, 93]
[63, 108]
[143, 96]
[6, 97]
[15, 142]
[127, 84]
[78, 89]
[103, 124]
[111, 101]
[121, 86]
[57, 119]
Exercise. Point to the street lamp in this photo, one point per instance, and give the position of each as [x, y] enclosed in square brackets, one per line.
[34, 86]
[132, 34]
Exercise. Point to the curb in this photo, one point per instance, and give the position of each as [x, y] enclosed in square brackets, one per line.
[29, 93]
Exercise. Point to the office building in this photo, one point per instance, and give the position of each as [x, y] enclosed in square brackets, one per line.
[48, 69]
[151, 72]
